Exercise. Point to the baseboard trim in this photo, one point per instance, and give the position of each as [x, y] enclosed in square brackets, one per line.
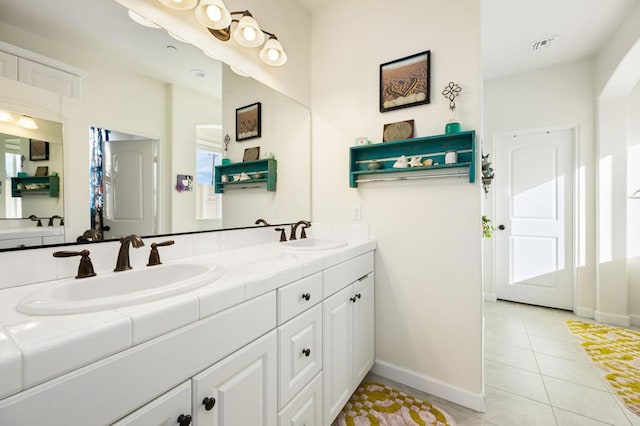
[585, 312]
[430, 385]
[635, 320]
[490, 297]
[623, 320]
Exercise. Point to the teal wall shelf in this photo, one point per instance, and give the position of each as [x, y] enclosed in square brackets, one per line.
[35, 185]
[434, 147]
[267, 168]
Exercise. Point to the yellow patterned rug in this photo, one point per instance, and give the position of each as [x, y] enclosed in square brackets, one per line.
[617, 351]
[378, 404]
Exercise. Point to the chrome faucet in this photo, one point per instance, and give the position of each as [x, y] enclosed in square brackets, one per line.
[294, 227]
[123, 263]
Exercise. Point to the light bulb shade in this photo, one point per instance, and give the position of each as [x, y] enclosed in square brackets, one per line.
[142, 20]
[272, 53]
[180, 4]
[248, 33]
[213, 14]
[5, 117]
[27, 122]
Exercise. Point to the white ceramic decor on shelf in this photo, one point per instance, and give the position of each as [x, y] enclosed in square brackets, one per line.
[249, 348]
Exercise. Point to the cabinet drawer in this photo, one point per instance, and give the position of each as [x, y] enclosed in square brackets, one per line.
[292, 299]
[306, 408]
[300, 344]
[342, 275]
[164, 410]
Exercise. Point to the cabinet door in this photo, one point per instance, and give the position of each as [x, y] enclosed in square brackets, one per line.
[8, 65]
[363, 328]
[305, 409]
[48, 78]
[241, 389]
[337, 351]
[172, 408]
[300, 343]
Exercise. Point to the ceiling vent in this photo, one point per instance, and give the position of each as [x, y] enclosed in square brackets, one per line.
[542, 44]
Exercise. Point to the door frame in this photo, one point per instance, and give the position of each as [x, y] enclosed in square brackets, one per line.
[575, 200]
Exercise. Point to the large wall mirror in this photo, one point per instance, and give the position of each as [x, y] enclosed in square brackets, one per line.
[141, 141]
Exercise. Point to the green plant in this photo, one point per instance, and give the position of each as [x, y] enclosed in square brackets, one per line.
[487, 227]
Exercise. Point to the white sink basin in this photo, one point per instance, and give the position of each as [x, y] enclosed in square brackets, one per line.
[116, 289]
[310, 244]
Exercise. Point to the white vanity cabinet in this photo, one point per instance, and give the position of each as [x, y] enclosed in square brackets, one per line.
[290, 357]
[172, 408]
[348, 327]
[241, 389]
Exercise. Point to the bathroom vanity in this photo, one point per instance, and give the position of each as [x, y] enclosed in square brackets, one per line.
[282, 337]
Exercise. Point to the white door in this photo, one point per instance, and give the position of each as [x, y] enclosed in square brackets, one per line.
[241, 389]
[128, 179]
[534, 218]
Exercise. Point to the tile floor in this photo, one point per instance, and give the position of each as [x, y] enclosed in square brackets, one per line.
[536, 373]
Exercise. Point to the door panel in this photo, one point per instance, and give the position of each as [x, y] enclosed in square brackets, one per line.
[534, 188]
[128, 181]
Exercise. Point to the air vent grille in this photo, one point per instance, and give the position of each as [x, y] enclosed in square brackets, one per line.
[542, 44]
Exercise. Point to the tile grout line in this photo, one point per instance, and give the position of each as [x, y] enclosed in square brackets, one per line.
[546, 391]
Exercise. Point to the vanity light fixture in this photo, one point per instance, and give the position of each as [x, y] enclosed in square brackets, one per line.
[213, 15]
[5, 117]
[27, 122]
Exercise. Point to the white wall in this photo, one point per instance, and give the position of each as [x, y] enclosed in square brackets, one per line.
[633, 212]
[560, 96]
[188, 110]
[285, 133]
[428, 266]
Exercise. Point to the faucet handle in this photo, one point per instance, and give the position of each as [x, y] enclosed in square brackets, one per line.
[154, 256]
[85, 269]
[303, 234]
[283, 236]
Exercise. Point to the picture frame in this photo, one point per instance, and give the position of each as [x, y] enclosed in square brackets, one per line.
[184, 183]
[249, 122]
[42, 171]
[398, 131]
[251, 154]
[38, 150]
[405, 82]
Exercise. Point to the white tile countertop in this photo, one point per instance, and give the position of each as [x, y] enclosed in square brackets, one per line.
[35, 349]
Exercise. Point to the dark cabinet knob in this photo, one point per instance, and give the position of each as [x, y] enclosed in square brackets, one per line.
[353, 299]
[208, 403]
[306, 352]
[306, 296]
[501, 227]
[184, 420]
[359, 296]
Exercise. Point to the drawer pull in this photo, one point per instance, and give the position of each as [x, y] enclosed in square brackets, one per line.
[359, 296]
[306, 296]
[208, 403]
[306, 352]
[353, 299]
[184, 420]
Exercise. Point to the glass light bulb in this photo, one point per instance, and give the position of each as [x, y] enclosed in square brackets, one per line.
[214, 13]
[249, 33]
[273, 54]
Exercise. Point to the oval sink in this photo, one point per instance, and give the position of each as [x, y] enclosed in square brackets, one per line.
[309, 244]
[116, 289]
